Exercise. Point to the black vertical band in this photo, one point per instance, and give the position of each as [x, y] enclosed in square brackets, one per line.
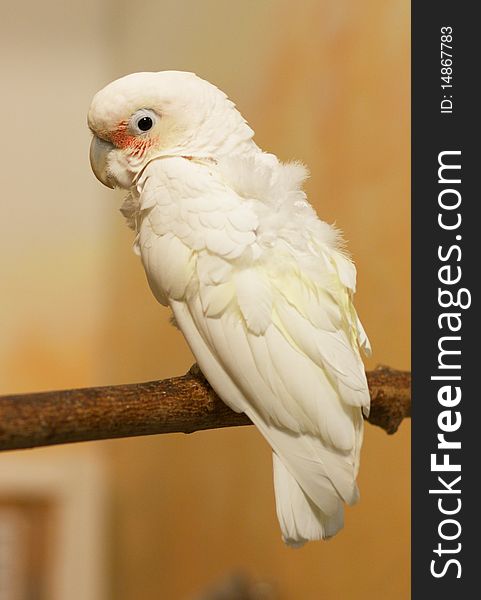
[446, 260]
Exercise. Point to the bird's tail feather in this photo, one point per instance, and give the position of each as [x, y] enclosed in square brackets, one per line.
[311, 480]
[300, 519]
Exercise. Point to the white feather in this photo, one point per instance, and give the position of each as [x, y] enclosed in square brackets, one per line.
[300, 519]
[264, 300]
[254, 297]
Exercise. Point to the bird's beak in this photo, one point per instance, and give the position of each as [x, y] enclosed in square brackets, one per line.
[99, 152]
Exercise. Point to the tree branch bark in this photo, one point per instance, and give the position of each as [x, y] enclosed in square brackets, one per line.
[179, 404]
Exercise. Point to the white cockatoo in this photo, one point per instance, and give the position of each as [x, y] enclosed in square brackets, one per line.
[260, 287]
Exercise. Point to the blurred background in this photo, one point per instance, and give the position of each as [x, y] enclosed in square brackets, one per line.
[190, 517]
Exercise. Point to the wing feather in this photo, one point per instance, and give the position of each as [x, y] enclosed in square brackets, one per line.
[268, 313]
[323, 473]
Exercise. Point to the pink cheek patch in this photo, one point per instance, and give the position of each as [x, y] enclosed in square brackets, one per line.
[122, 139]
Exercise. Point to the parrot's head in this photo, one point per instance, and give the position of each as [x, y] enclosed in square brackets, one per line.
[144, 116]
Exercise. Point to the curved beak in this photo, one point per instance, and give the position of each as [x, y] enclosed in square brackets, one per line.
[99, 152]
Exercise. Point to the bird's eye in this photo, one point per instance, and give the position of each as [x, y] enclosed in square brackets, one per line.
[145, 123]
[142, 121]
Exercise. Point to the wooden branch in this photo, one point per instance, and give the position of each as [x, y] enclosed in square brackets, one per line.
[180, 404]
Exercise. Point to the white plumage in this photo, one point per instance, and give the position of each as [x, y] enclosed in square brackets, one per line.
[260, 287]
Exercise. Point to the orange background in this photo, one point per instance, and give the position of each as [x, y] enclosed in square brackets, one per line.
[325, 82]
